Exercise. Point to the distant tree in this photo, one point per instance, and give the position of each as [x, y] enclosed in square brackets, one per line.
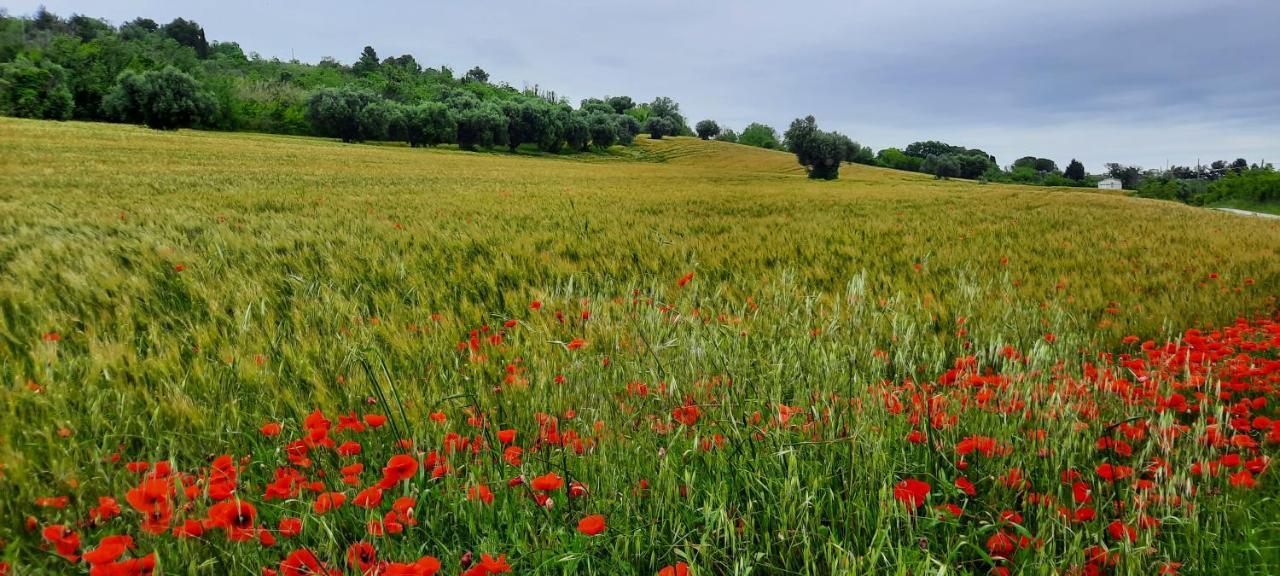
[1129, 176]
[708, 129]
[227, 51]
[821, 153]
[1075, 170]
[929, 148]
[188, 33]
[1239, 165]
[337, 113]
[760, 136]
[483, 125]
[1045, 165]
[664, 107]
[620, 104]
[138, 28]
[577, 132]
[382, 120]
[164, 99]
[86, 28]
[942, 166]
[429, 124]
[658, 126]
[628, 128]
[898, 160]
[35, 90]
[595, 106]
[604, 130]
[368, 62]
[528, 121]
[476, 74]
[727, 135]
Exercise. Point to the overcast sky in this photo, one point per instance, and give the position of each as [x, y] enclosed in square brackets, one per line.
[1134, 81]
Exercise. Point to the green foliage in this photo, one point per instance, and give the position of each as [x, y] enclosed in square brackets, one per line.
[481, 125]
[338, 113]
[728, 135]
[477, 74]
[1255, 185]
[628, 128]
[708, 129]
[577, 132]
[1075, 170]
[898, 160]
[429, 124]
[821, 153]
[35, 90]
[368, 63]
[664, 107]
[189, 34]
[659, 126]
[164, 99]
[620, 104]
[604, 130]
[942, 166]
[760, 136]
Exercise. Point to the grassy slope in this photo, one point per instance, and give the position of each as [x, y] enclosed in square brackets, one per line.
[306, 258]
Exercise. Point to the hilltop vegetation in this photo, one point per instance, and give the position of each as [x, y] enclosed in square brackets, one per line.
[250, 351]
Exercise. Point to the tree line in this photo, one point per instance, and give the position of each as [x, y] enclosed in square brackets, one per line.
[170, 76]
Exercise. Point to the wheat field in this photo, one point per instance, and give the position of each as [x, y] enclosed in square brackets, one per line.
[680, 357]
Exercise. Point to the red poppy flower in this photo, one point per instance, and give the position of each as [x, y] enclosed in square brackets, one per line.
[109, 549]
[301, 562]
[236, 517]
[271, 429]
[65, 541]
[370, 497]
[684, 279]
[480, 492]
[399, 468]
[677, 569]
[328, 501]
[911, 492]
[290, 527]
[547, 482]
[506, 436]
[592, 525]
[375, 420]
[362, 556]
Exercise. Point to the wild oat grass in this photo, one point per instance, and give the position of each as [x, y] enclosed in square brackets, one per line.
[164, 295]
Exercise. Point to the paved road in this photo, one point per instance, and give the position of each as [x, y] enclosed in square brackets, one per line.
[1248, 213]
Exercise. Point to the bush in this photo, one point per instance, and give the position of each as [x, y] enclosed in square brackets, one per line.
[821, 153]
[35, 90]
[628, 128]
[727, 135]
[429, 124]
[484, 125]
[760, 136]
[165, 99]
[707, 129]
[577, 132]
[604, 131]
[658, 126]
[339, 113]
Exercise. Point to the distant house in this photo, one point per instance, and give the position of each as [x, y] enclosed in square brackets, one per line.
[1110, 184]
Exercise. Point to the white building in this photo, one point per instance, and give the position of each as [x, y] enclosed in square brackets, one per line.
[1110, 184]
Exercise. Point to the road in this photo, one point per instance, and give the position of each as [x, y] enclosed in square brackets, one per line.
[1248, 213]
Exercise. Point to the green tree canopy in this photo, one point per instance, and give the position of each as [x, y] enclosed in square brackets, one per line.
[164, 99]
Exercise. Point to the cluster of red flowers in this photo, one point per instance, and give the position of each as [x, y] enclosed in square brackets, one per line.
[1207, 393]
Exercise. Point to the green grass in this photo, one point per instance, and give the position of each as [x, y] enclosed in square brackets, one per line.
[202, 284]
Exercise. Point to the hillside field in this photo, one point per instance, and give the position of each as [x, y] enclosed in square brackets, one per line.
[686, 348]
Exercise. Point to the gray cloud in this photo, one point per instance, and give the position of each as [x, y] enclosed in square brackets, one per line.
[1133, 81]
